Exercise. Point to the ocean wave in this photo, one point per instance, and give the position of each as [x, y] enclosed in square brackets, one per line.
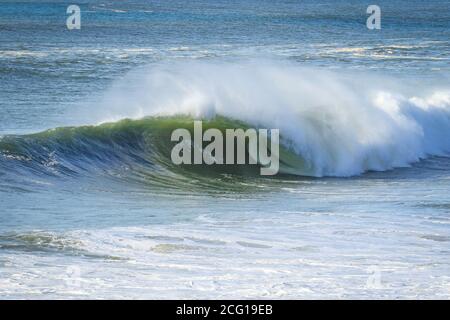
[37, 241]
[330, 124]
[420, 51]
[128, 152]
[338, 124]
[22, 54]
[69, 244]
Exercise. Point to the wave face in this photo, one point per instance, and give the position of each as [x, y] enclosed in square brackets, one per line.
[134, 151]
[330, 124]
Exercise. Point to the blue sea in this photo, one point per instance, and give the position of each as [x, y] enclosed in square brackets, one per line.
[92, 207]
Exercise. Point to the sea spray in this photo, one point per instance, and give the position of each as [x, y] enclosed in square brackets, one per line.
[339, 124]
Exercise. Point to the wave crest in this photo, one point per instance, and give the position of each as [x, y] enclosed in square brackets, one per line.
[330, 124]
[339, 124]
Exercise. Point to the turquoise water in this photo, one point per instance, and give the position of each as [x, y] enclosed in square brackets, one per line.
[91, 206]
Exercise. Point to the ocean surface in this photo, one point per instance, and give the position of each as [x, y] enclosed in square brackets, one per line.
[92, 207]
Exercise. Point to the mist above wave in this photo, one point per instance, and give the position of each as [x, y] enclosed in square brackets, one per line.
[341, 124]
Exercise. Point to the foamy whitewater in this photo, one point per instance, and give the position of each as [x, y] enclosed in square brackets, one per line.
[93, 207]
[341, 125]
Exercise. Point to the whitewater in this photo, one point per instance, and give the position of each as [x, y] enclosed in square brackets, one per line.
[338, 124]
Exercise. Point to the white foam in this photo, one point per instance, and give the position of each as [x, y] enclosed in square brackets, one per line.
[21, 53]
[342, 125]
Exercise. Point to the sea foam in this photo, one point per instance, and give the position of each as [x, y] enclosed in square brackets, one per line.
[341, 124]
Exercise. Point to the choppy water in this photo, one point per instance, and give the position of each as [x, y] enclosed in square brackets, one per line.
[92, 207]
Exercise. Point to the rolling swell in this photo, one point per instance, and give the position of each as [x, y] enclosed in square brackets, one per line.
[127, 150]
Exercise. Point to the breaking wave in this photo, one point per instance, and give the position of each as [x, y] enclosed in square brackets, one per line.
[330, 124]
